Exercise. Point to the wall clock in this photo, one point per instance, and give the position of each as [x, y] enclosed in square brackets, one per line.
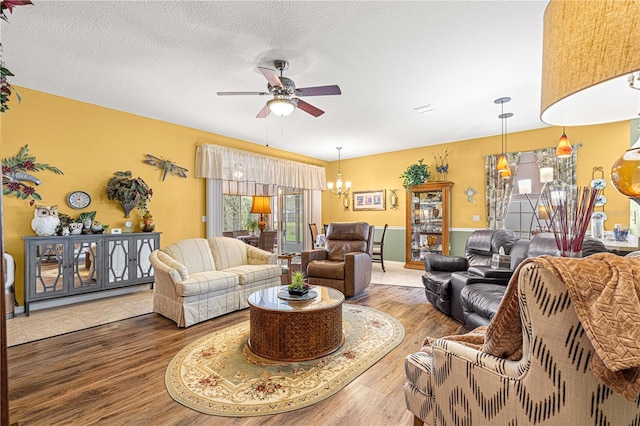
[78, 199]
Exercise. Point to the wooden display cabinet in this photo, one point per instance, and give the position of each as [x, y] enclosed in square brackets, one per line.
[428, 224]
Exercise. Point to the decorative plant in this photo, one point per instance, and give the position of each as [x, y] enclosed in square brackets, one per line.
[297, 281]
[5, 87]
[15, 172]
[129, 192]
[416, 174]
[251, 224]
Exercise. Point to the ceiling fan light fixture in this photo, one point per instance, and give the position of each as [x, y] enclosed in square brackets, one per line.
[281, 106]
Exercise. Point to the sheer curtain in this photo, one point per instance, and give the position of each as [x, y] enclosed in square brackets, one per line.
[233, 171]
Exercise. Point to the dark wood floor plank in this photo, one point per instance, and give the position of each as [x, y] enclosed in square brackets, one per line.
[114, 374]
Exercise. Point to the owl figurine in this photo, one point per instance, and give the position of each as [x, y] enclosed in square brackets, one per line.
[45, 220]
[75, 228]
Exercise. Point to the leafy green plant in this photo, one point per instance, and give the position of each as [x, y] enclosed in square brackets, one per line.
[251, 224]
[129, 192]
[416, 174]
[297, 281]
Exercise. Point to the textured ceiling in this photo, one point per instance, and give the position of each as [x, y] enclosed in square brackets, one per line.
[167, 60]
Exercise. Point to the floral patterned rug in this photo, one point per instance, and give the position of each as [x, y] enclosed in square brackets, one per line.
[219, 375]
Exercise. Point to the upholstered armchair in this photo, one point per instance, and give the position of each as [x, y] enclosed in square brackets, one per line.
[480, 247]
[345, 262]
[550, 377]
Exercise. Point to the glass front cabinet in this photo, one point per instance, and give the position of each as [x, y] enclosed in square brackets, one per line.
[428, 222]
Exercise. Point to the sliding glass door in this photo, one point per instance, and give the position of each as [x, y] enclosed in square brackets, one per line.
[291, 221]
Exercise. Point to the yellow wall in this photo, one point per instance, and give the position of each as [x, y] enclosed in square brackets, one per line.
[602, 145]
[89, 143]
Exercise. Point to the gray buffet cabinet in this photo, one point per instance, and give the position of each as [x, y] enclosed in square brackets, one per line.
[56, 267]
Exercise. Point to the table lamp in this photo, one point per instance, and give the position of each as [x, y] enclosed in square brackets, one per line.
[261, 205]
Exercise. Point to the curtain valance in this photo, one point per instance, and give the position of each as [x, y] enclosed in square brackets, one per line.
[241, 171]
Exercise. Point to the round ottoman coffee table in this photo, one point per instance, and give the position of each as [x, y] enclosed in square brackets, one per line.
[295, 330]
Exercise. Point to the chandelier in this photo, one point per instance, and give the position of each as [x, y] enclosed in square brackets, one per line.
[338, 186]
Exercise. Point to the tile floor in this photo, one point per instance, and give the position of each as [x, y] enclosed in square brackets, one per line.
[65, 319]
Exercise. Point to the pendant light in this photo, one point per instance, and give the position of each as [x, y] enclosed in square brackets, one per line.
[592, 77]
[564, 149]
[503, 164]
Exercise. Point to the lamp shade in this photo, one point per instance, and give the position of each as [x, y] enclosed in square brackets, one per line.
[589, 50]
[261, 205]
[503, 164]
[564, 149]
[546, 174]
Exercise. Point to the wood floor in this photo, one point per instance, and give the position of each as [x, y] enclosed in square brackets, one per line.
[114, 374]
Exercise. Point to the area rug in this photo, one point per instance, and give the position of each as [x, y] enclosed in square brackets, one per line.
[219, 375]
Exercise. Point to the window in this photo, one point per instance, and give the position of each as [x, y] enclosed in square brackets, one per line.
[235, 210]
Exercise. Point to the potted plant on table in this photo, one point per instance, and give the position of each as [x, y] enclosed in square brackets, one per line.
[298, 287]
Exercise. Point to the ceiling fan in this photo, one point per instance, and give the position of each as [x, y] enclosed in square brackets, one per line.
[285, 94]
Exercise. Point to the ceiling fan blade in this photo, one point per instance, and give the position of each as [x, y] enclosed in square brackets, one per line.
[264, 112]
[308, 108]
[242, 93]
[319, 91]
[271, 76]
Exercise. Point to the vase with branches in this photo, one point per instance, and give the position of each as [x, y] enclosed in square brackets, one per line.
[129, 192]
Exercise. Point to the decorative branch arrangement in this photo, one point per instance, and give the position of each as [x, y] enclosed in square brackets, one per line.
[5, 87]
[15, 172]
[569, 212]
[442, 166]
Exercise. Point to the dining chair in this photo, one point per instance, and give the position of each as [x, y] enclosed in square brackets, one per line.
[378, 249]
[314, 233]
[267, 240]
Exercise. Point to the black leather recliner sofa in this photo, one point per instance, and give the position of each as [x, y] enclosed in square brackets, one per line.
[480, 247]
[480, 298]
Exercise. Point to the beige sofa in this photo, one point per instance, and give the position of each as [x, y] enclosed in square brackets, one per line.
[198, 279]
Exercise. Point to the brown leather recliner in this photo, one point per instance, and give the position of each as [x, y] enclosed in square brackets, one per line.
[345, 262]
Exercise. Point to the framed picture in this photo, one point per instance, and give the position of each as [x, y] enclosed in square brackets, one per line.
[370, 200]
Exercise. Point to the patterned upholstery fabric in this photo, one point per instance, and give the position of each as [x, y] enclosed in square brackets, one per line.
[199, 279]
[551, 383]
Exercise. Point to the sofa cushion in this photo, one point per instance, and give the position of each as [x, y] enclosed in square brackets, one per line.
[482, 299]
[227, 252]
[207, 283]
[328, 269]
[193, 253]
[254, 273]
